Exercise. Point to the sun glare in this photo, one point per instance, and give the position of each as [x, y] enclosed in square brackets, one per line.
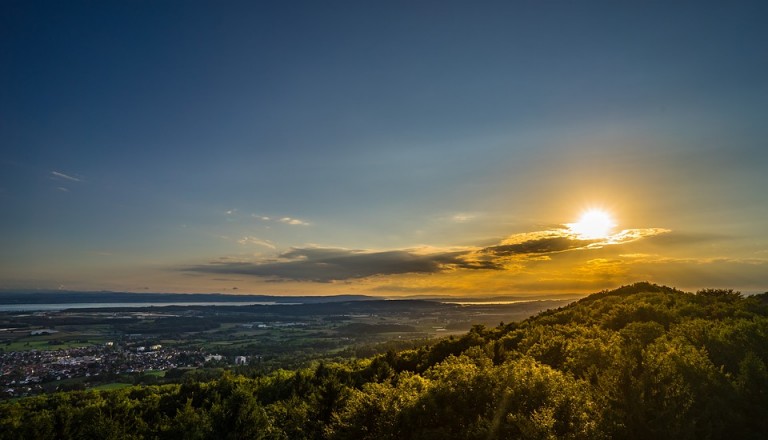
[594, 223]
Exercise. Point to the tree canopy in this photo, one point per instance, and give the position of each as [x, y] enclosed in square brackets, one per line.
[642, 361]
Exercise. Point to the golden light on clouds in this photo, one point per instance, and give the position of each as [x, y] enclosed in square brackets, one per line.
[593, 224]
[590, 253]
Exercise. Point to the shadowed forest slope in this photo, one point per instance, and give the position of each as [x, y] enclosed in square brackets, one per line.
[642, 361]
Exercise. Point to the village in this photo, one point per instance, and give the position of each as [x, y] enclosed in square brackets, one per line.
[24, 373]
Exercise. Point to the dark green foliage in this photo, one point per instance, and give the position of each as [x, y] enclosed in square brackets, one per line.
[171, 325]
[642, 361]
[360, 328]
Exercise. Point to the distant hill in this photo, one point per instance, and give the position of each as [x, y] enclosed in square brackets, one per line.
[639, 362]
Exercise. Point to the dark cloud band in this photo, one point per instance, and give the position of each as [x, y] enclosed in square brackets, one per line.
[335, 264]
[332, 264]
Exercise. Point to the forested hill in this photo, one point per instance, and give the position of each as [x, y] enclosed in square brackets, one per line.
[639, 362]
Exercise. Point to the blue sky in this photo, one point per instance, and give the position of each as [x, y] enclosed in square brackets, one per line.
[381, 147]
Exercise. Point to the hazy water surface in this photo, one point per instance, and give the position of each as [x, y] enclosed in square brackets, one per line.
[54, 307]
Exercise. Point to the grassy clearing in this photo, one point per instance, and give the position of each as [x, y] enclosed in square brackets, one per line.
[111, 386]
[35, 343]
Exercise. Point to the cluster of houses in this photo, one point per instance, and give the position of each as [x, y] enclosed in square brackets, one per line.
[22, 372]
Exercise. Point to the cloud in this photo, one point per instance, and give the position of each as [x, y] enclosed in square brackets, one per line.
[59, 175]
[536, 245]
[257, 241]
[630, 235]
[336, 264]
[293, 221]
[330, 264]
[285, 220]
[462, 217]
[561, 240]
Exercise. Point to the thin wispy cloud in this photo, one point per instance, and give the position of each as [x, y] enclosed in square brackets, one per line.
[284, 220]
[630, 235]
[463, 217]
[293, 221]
[256, 241]
[59, 175]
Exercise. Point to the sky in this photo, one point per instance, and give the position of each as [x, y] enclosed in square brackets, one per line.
[382, 147]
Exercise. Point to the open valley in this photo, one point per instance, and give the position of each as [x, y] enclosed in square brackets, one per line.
[46, 351]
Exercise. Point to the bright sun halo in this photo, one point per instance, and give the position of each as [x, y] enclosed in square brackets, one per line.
[594, 223]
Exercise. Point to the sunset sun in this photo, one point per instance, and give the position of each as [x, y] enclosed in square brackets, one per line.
[594, 223]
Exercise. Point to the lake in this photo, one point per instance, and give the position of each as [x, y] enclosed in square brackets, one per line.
[56, 307]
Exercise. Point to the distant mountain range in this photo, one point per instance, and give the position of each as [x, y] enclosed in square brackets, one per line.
[70, 297]
[9, 297]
